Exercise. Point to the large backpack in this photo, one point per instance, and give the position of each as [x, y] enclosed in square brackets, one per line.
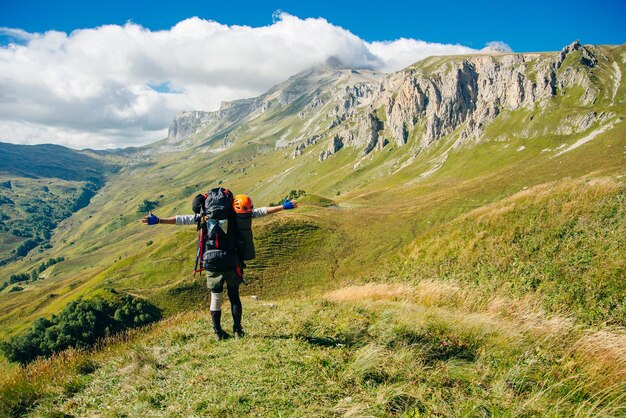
[216, 223]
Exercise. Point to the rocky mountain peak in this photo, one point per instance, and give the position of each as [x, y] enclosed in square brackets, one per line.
[588, 58]
[328, 83]
[572, 47]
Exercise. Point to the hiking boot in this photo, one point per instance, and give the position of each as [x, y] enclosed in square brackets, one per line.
[220, 334]
[239, 333]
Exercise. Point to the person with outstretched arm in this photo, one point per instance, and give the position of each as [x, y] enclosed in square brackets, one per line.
[233, 279]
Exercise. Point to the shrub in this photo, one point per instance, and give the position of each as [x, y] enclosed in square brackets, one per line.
[85, 196]
[147, 206]
[16, 278]
[51, 262]
[80, 324]
[294, 194]
[44, 216]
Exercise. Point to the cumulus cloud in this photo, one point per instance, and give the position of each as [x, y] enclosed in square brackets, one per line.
[116, 86]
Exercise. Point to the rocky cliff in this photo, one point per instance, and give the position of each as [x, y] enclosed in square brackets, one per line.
[468, 93]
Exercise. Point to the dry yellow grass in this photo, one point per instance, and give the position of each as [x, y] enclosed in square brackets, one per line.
[603, 354]
[426, 292]
[600, 353]
[371, 291]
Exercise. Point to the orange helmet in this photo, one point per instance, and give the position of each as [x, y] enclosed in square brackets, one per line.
[242, 204]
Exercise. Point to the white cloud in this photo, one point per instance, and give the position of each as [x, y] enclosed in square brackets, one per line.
[496, 46]
[15, 35]
[115, 86]
[113, 137]
[403, 52]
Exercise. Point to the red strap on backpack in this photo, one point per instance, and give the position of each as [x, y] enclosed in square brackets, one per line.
[200, 252]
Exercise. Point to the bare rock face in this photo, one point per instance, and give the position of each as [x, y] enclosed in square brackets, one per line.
[463, 95]
[303, 145]
[573, 124]
[473, 92]
[188, 123]
[470, 93]
[588, 58]
[363, 134]
[336, 143]
[578, 74]
[349, 100]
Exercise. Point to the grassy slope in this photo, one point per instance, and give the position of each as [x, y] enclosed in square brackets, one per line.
[60, 194]
[437, 346]
[363, 350]
[55, 161]
[563, 243]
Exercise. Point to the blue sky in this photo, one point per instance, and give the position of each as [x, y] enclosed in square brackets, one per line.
[525, 26]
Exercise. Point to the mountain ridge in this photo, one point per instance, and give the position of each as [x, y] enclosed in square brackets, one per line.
[471, 93]
[50, 160]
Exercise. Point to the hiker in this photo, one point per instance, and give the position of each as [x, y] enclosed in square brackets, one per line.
[223, 266]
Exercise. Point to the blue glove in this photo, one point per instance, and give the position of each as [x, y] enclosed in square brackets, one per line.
[287, 204]
[152, 219]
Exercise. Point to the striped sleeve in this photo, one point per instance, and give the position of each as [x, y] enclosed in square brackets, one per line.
[186, 219]
[259, 212]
